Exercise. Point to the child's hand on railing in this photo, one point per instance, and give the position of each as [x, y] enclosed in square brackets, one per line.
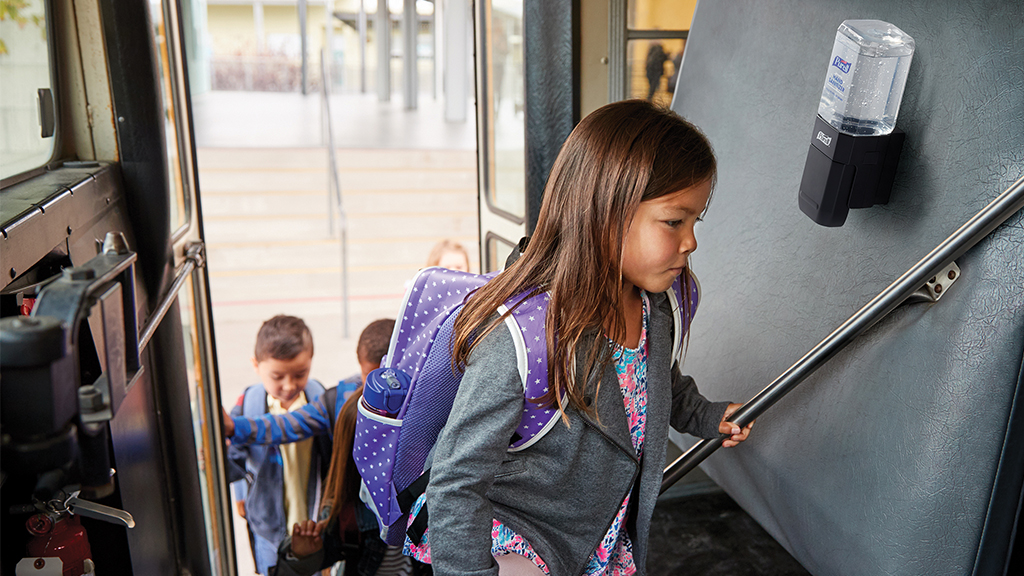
[736, 435]
[306, 538]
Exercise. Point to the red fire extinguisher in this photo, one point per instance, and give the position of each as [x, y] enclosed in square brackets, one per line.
[59, 545]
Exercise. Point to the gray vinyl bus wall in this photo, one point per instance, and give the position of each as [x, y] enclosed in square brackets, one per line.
[898, 456]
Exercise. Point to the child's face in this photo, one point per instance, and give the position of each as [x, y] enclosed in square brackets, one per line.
[661, 238]
[454, 260]
[285, 379]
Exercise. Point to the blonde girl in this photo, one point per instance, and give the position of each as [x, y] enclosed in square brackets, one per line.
[449, 254]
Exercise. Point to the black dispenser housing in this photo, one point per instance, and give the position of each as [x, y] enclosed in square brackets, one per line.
[845, 171]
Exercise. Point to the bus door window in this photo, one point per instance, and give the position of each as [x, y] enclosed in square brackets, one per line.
[27, 111]
[163, 16]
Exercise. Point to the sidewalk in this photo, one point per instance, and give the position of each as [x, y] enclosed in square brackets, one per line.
[408, 180]
[289, 119]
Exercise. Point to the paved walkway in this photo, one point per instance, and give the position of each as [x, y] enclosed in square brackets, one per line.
[289, 119]
[408, 180]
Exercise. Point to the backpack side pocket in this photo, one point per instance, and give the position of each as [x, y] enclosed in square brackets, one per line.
[373, 452]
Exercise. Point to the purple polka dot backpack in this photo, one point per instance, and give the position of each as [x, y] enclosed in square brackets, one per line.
[407, 401]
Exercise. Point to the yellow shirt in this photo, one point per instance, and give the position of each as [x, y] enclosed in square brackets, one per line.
[295, 460]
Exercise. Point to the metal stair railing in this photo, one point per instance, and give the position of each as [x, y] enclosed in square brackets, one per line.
[984, 222]
[334, 204]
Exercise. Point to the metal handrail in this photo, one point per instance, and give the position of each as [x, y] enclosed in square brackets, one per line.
[984, 222]
[194, 258]
[334, 189]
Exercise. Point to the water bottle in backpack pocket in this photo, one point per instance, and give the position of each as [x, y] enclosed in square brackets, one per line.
[385, 391]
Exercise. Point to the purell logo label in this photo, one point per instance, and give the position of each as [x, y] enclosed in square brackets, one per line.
[826, 140]
[841, 64]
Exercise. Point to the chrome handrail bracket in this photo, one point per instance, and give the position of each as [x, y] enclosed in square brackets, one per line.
[936, 286]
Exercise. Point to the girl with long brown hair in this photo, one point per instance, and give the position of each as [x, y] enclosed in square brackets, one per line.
[616, 228]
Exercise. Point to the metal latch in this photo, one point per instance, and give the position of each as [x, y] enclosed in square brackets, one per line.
[98, 511]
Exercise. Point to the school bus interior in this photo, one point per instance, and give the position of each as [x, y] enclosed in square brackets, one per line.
[900, 455]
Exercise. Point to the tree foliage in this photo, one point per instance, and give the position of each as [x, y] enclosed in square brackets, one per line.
[16, 11]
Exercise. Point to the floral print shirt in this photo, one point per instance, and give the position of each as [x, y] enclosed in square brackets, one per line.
[614, 555]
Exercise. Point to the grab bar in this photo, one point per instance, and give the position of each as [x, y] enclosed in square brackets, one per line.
[984, 222]
[334, 186]
[195, 257]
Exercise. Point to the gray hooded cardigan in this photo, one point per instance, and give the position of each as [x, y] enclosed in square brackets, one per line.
[562, 493]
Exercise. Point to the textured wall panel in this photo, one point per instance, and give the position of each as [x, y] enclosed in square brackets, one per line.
[884, 461]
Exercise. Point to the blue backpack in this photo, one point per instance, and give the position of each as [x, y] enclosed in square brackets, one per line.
[390, 451]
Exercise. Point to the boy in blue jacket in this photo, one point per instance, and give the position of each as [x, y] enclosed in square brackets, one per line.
[280, 485]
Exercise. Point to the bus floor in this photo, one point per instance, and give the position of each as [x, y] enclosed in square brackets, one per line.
[698, 529]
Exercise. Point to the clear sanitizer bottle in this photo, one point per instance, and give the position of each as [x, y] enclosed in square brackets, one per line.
[866, 77]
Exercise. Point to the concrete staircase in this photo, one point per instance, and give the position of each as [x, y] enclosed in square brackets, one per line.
[270, 250]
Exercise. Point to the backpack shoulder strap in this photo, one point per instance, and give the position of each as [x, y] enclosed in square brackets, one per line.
[526, 324]
[324, 443]
[517, 251]
[683, 308]
[330, 400]
[255, 401]
[314, 389]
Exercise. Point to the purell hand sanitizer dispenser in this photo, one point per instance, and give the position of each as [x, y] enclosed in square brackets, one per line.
[855, 145]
